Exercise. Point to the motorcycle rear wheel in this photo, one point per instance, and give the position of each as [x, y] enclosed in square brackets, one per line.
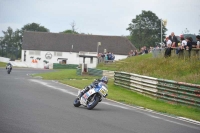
[93, 103]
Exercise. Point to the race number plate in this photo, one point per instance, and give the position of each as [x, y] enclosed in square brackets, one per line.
[103, 91]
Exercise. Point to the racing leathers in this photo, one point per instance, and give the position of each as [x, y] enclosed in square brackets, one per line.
[87, 88]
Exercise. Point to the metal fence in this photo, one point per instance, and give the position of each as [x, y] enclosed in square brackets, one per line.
[95, 72]
[169, 90]
[64, 66]
[195, 52]
[90, 71]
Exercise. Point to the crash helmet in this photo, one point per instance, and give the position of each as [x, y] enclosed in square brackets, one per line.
[104, 79]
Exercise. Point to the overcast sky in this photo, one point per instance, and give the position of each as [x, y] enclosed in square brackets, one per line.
[98, 17]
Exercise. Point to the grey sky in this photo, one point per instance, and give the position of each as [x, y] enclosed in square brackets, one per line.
[98, 17]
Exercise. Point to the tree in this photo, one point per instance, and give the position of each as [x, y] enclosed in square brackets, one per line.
[12, 40]
[73, 24]
[70, 32]
[73, 30]
[11, 43]
[145, 29]
[34, 27]
[186, 31]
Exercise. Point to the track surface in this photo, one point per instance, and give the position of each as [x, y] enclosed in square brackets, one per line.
[30, 105]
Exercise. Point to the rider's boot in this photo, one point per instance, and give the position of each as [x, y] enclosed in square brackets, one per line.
[83, 92]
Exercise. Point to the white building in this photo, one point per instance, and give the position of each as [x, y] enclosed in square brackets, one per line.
[39, 47]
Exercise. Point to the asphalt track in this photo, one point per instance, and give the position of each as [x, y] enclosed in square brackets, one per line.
[32, 105]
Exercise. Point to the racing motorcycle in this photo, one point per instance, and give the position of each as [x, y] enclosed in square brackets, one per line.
[91, 98]
[8, 69]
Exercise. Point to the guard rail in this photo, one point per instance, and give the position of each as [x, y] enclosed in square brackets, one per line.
[169, 90]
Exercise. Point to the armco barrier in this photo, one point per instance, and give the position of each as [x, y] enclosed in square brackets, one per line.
[64, 66]
[169, 90]
[78, 71]
[95, 72]
[144, 84]
[179, 92]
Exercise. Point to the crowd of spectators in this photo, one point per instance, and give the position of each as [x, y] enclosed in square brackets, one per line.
[171, 42]
[143, 50]
[185, 43]
[106, 57]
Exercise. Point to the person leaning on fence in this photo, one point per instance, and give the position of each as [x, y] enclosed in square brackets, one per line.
[130, 53]
[145, 50]
[198, 41]
[183, 43]
[174, 40]
[168, 49]
[135, 52]
[188, 47]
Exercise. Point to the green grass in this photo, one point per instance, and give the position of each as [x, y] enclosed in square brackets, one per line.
[2, 64]
[124, 95]
[109, 66]
[173, 68]
[63, 74]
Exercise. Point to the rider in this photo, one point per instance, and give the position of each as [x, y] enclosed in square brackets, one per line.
[10, 66]
[104, 79]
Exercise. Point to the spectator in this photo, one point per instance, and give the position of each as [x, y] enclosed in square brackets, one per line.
[103, 56]
[145, 50]
[112, 56]
[182, 44]
[174, 40]
[106, 56]
[109, 56]
[141, 51]
[136, 52]
[188, 47]
[150, 50]
[168, 49]
[130, 53]
[99, 57]
[198, 41]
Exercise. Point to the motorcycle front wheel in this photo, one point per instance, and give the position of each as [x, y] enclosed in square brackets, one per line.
[77, 102]
[93, 103]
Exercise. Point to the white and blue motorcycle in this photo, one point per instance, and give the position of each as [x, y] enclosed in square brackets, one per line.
[92, 97]
[8, 69]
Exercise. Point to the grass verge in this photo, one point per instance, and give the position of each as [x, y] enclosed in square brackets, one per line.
[172, 68]
[2, 64]
[124, 95]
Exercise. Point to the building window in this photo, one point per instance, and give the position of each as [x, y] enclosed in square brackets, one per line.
[37, 52]
[31, 52]
[57, 53]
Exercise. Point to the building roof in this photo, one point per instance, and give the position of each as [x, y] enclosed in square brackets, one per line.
[62, 42]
